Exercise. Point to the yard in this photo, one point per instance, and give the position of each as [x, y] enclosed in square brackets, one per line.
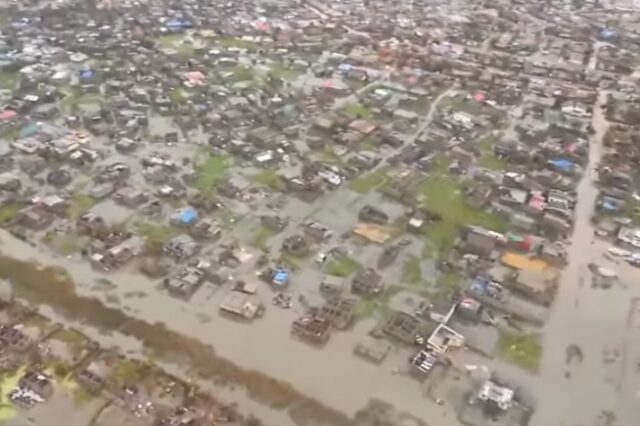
[210, 172]
[9, 80]
[367, 182]
[488, 160]
[229, 42]
[68, 244]
[357, 110]
[79, 204]
[523, 350]
[411, 273]
[8, 213]
[261, 238]
[443, 195]
[280, 71]
[175, 42]
[269, 179]
[343, 266]
[156, 233]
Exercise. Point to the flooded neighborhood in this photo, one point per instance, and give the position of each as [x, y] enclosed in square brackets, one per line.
[295, 213]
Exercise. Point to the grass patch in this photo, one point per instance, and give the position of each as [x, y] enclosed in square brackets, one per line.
[239, 73]
[75, 99]
[210, 172]
[357, 110]
[342, 267]
[268, 178]
[279, 71]
[68, 244]
[367, 182]
[488, 160]
[156, 233]
[291, 261]
[177, 96]
[229, 42]
[444, 196]
[521, 349]
[9, 80]
[8, 213]
[411, 272]
[79, 204]
[8, 381]
[175, 42]
[261, 238]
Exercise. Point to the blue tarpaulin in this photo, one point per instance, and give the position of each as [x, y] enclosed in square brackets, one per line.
[562, 164]
[86, 74]
[281, 277]
[188, 216]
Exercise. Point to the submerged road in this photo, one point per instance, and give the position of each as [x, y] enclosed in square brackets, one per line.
[585, 392]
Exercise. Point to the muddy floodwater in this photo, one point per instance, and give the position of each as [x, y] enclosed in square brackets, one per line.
[185, 339]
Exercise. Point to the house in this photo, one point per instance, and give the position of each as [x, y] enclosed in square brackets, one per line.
[131, 197]
[367, 281]
[206, 229]
[339, 312]
[118, 254]
[35, 217]
[181, 247]
[242, 305]
[96, 374]
[37, 382]
[537, 286]
[14, 338]
[185, 282]
[312, 328]
[478, 241]
[403, 327]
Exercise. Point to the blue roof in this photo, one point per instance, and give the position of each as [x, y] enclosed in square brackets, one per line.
[86, 74]
[188, 216]
[281, 277]
[562, 164]
[608, 33]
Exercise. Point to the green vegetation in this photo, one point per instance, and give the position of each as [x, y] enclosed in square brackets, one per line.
[261, 238]
[444, 195]
[177, 96]
[70, 336]
[411, 272]
[129, 371]
[175, 42]
[268, 178]
[229, 42]
[523, 350]
[156, 233]
[291, 261]
[343, 266]
[74, 99]
[368, 181]
[357, 110]
[9, 80]
[279, 71]
[8, 381]
[239, 73]
[79, 204]
[378, 305]
[488, 160]
[210, 172]
[68, 244]
[9, 213]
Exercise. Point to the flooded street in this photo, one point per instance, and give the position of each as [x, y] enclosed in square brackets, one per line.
[579, 392]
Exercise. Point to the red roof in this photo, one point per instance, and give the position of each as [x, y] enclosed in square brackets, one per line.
[8, 115]
[479, 97]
